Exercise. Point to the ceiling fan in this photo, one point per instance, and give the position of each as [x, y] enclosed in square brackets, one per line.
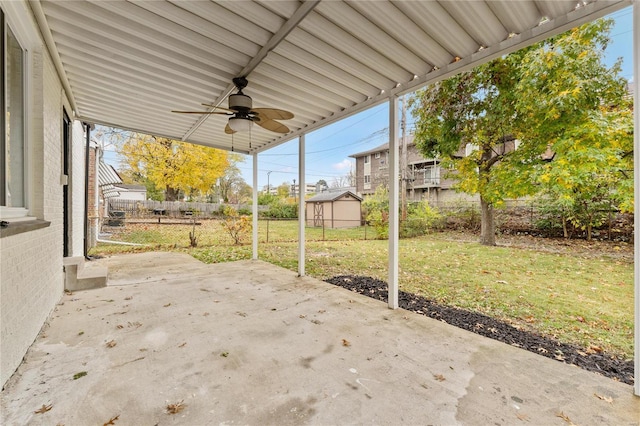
[242, 114]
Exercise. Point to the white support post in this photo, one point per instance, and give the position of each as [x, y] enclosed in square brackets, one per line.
[301, 206]
[636, 175]
[393, 202]
[254, 209]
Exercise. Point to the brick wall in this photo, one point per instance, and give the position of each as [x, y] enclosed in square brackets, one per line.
[31, 272]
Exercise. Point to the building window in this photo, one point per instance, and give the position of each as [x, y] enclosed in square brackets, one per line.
[367, 178]
[377, 155]
[367, 159]
[12, 138]
[432, 175]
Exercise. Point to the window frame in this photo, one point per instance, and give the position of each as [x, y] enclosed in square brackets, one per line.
[15, 16]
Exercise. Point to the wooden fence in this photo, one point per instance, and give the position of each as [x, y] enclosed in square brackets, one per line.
[147, 208]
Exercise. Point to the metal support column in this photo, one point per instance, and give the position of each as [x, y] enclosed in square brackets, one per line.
[393, 202]
[636, 174]
[301, 206]
[254, 209]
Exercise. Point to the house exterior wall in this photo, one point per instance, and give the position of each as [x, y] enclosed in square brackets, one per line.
[31, 262]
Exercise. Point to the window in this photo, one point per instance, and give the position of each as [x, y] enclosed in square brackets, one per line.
[377, 155]
[432, 175]
[367, 178]
[12, 137]
[367, 159]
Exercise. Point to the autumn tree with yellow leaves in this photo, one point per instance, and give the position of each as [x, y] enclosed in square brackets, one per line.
[178, 167]
[556, 98]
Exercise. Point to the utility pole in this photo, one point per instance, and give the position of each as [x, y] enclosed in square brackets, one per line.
[268, 187]
[403, 160]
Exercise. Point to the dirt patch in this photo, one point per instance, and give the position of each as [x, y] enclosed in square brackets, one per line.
[600, 362]
[616, 250]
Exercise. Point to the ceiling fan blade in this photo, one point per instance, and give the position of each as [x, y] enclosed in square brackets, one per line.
[217, 107]
[202, 112]
[273, 113]
[228, 130]
[272, 125]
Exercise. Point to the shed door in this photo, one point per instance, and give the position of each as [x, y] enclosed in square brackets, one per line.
[318, 214]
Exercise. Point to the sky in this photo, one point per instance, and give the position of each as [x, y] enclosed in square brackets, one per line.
[328, 148]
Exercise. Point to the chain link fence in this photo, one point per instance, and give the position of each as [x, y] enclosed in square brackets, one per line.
[174, 224]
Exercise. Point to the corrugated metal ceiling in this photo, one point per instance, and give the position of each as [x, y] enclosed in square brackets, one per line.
[129, 63]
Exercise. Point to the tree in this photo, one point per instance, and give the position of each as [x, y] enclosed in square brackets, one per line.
[284, 190]
[587, 121]
[537, 96]
[322, 185]
[343, 181]
[173, 165]
[231, 183]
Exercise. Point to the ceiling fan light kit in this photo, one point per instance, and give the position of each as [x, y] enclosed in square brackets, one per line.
[240, 124]
[242, 114]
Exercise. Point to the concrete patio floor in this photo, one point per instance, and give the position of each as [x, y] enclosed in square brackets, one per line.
[251, 343]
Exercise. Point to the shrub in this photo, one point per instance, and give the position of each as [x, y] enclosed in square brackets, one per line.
[421, 218]
[281, 210]
[245, 211]
[238, 227]
[375, 209]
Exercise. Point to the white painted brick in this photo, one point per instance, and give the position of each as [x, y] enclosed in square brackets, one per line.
[31, 272]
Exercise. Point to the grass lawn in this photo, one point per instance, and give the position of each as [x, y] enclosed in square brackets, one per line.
[576, 296]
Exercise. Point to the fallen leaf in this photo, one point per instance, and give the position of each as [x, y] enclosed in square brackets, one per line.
[345, 342]
[523, 417]
[502, 282]
[182, 345]
[206, 314]
[224, 354]
[111, 343]
[242, 314]
[175, 408]
[78, 375]
[593, 349]
[303, 316]
[119, 326]
[43, 409]
[439, 377]
[604, 398]
[566, 418]
[111, 420]
[322, 311]
[128, 298]
[167, 305]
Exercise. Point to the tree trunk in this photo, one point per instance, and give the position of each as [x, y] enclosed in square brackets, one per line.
[171, 194]
[487, 224]
[565, 233]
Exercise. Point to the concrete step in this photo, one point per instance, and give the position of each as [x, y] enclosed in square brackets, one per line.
[81, 275]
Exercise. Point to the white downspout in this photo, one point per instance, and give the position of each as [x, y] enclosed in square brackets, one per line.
[301, 206]
[393, 202]
[254, 209]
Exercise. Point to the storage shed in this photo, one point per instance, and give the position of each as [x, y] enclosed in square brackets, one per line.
[334, 210]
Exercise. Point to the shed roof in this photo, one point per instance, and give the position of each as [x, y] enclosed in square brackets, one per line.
[129, 63]
[331, 196]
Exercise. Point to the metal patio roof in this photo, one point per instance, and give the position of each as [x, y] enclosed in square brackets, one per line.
[129, 63]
